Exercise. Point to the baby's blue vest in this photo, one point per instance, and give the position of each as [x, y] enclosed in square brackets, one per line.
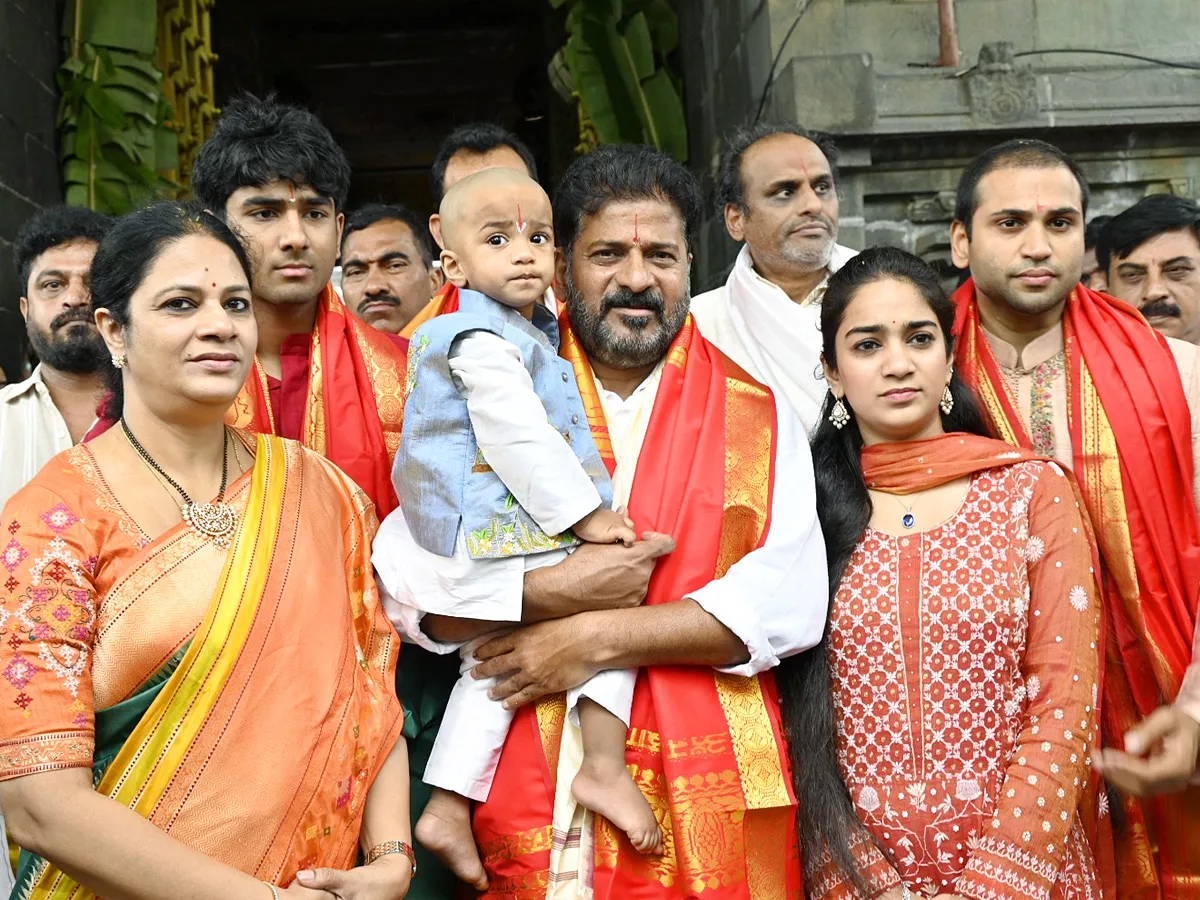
[440, 474]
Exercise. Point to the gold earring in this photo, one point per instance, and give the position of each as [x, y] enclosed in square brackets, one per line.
[118, 360]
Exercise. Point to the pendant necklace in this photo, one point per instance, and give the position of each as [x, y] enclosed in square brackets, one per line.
[214, 520]
[908, 520]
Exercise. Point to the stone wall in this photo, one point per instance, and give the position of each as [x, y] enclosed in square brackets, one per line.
[862, 69]
[29, 178]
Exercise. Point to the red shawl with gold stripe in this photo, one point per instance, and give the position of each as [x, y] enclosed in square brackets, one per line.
[1131, 441]
[705, 748]
[355, 401]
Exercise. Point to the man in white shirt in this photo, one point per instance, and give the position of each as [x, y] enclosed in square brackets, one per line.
[697, 450]
[53, 408]
[778, 189]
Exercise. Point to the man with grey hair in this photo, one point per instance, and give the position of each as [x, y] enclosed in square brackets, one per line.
[778, 192]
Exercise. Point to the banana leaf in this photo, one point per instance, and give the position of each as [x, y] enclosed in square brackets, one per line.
[614, 63]
[121, 24]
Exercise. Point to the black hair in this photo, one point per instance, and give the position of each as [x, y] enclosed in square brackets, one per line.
[1091, 232]
[52, 227]
[615, 172]
[1148, 218]
[826, 816]
[128, 252]
[373, 213]
[478, 138]
[1020, 153]
[731, 188]
[257, 141]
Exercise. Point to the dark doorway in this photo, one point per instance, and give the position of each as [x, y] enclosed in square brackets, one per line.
[391, 78]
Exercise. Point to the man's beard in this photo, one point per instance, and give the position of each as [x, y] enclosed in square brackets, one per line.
[78, 350]
[807, 254]
[653, 336]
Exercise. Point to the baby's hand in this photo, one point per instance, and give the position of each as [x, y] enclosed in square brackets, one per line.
[603, 526]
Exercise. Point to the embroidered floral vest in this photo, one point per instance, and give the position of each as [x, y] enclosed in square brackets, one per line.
[440, 475]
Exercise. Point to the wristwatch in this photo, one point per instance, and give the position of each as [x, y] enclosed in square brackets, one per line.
[389, 847]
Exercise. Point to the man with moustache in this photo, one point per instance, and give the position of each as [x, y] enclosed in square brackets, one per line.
[698, 451]
[778, 192]
[388, 274]
[1151, 253]
[53, 408]
[1080, 377]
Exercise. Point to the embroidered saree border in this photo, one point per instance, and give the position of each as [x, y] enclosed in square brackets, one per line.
[570, 350]
[749, 458]
[313, 428]
[147, 762]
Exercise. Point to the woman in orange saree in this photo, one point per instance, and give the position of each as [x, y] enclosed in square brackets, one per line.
[189, 706]
[956, 691]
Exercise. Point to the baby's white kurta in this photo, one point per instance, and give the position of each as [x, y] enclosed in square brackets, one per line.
[547, 480]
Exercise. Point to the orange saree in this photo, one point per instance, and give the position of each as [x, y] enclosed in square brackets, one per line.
[356, 383]
[706, 748]
[1131, 441]
[240, 703]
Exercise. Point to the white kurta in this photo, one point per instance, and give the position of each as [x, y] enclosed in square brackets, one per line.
[773, 338]
[546, 479]
[32, 431]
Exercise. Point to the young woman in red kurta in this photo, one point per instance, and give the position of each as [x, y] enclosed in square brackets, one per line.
[960, 668]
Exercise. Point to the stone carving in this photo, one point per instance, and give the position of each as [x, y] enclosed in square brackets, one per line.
[1001, 93]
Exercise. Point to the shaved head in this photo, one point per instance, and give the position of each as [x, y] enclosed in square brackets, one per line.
[479, 197]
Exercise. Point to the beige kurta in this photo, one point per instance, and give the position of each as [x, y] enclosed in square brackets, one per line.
[1038, 378]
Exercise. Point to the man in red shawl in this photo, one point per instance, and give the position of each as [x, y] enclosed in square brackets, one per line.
[1079, 376]
[276, 175]
[698, 451]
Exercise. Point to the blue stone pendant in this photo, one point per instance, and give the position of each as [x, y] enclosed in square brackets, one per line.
[909, 520]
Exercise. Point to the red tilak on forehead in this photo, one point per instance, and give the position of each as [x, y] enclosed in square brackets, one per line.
[291, 192]
[636, 240]
[521, 223]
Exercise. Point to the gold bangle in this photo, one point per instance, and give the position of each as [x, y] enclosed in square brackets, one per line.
[274, 892]
[389, 847]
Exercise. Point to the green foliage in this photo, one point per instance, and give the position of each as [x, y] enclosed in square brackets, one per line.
[615, 65]
[113, 137]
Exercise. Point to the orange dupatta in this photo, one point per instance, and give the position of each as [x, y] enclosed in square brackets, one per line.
[356, 380]
[706, 748]
[1131, 442]
[444, 301]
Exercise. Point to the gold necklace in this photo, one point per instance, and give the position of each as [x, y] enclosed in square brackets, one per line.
[214, 520]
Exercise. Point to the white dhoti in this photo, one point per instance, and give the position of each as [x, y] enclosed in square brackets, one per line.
[474, 727]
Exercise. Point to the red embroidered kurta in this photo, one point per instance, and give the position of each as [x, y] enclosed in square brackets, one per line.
[965, 682]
